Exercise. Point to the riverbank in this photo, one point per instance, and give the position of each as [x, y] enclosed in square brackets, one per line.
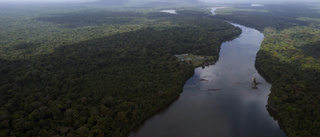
[169, 11]
[196, 60]
[294, 83]
[159, 110]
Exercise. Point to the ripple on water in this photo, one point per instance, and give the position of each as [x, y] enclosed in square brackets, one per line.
[169, 11]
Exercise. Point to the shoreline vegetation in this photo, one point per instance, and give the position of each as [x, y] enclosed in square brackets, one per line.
[289, 56]
[70, 72]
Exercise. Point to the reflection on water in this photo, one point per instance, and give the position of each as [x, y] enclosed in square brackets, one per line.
[230, 108]
[169, 11]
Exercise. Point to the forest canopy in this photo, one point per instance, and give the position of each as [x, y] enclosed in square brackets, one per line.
[100, 73]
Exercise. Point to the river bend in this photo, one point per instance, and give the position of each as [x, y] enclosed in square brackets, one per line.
[219, 100]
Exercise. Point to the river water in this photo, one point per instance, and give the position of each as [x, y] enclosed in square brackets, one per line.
[223, 103]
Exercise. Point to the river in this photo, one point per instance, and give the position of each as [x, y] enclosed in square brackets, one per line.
[232, 109]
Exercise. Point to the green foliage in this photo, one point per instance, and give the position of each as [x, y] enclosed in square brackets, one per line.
[295, 77]
[97, 84]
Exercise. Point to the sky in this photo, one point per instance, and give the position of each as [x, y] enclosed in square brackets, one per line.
[211, 1]
[47, 0]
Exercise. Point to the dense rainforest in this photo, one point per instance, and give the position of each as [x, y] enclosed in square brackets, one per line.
[289, 56]
[94, 71]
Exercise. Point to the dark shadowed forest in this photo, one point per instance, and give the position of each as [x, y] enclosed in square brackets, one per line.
[96, 72]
